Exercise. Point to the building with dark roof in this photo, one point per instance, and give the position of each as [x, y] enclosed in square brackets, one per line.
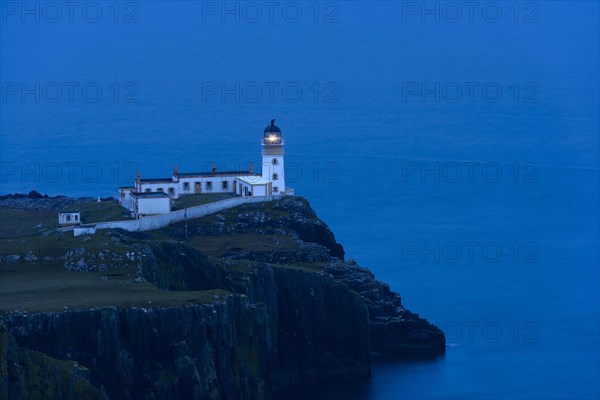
[271, 181]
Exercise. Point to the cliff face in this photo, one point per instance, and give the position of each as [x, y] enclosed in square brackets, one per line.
[220, 350]
[321, 328]
[394, 329]
[295, 312]
[26, 374]
[292, 326]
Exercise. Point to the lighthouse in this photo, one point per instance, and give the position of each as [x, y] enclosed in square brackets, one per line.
[269, 182]
[272, 158]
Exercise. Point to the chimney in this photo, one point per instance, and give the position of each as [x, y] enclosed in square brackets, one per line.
[251, 167]
[175, 174]
[214, 169]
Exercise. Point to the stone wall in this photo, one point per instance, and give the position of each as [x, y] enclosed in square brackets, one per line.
[162, 220]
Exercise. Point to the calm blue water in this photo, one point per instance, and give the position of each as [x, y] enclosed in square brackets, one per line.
[521, 311]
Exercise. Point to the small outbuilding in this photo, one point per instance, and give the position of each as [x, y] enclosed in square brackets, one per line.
[254, 186]
[69, 218]
[150, 203]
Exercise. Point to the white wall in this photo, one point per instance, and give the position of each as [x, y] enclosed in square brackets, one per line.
[248, 189]
[269, 170]
[245, 189]
[216, 185]
[260, 190]
[160, 221]
[84, 230]
[153, 205]
[126, 200]
[74, 218]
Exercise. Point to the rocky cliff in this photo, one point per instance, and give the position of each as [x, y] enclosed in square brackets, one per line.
[219, 350]
[26, 374]
[292, 309]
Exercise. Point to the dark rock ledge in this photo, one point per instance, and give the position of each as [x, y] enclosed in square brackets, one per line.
[295, 313]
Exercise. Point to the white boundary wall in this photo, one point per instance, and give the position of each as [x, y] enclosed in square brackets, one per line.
[84, 230]
[162, 220]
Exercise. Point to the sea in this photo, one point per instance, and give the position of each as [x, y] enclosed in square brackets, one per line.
[452, 147]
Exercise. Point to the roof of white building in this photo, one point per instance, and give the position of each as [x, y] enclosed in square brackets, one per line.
[272, 128]
[199, 175]
[253, 180]
[149, 194]
[216, 173]
[157, 180]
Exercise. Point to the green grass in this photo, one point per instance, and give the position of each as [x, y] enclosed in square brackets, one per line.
[230, 217]
[37, 288]
[266, 207]
[246, 265]
[100, 212]
[56, 244]
[310, 267]
[45, 285]
[192, 200]
[16, 223]
[217, 246]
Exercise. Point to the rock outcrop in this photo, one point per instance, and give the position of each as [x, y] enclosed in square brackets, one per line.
[296, 312]
[26, 374]
[214, 351]
[394, 329]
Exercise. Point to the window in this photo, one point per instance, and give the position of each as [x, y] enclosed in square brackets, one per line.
[275, 176]
[149, 190]
[225, 185]
[76, 217]
[275, 189]
[159, 189]
[275, 161]
[209, 185]
[171, 191]
[186, 186]
[68, 218]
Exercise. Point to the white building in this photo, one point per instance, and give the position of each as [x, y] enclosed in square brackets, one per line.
[143, 198]
[272, 159]
[150, 203]
[69, 218]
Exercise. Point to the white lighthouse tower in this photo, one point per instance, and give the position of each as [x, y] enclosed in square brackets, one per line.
[272, 158]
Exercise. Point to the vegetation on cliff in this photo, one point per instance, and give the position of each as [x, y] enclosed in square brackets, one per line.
[232, 305]
[27, 374]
